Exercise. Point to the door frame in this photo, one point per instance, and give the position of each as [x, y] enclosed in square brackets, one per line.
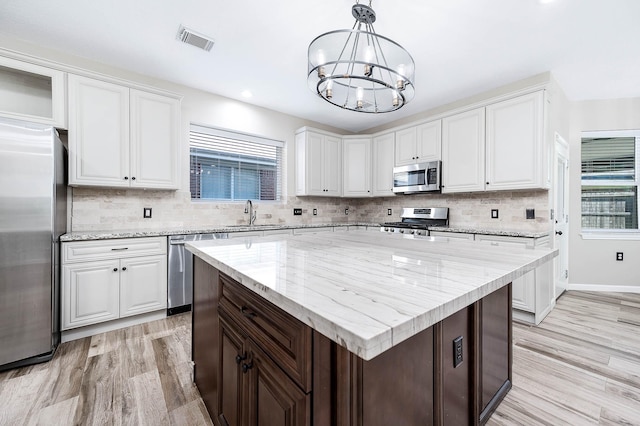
[560, 235]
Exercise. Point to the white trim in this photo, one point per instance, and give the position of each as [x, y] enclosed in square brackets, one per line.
[35, 60]
[604, 288]
[608, 234]
[234, 134]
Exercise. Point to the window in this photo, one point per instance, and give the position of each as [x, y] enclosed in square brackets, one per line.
[610, 180]
[233, 166]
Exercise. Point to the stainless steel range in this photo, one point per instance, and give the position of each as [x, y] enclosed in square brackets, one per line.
[416, 221]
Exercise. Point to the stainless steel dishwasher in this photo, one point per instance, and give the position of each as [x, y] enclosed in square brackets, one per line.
[180, 275]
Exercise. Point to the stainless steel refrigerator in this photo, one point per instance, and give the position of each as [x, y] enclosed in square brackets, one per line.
[33, 215]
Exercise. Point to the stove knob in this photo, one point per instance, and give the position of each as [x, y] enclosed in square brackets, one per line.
[386, 229]
[392, 229]
[413, 232]
[402, 231]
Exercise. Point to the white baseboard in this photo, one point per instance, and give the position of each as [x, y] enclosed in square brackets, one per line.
[92, 330]
[604, 288]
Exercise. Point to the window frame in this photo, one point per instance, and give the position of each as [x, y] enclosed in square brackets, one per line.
[612, 234]
[244, 137]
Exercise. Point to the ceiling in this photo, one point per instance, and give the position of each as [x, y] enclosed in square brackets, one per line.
[460, 47]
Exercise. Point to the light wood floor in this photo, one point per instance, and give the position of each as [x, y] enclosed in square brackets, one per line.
[581, 366]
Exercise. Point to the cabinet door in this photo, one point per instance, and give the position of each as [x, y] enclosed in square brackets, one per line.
[463, 146]
[232, 357]
[143, 284]
[271, 397]
[406, 146]
[332, 160]
[523, 288]
[90, 293]
[98, 133]
[429, 141]
[515, 137]
[314, 163]
[382, 166]
[155, 137]
[356, 159]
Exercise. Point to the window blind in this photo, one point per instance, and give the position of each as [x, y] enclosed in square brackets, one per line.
[232, 166]
[608, 158]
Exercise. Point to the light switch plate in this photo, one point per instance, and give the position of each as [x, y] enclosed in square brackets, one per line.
[146, 214]
[494, 213]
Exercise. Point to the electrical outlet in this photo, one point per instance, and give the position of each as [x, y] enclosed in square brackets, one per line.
[297, 212]
[388, 212]
[531, 214]
[315, 212]
[494, 213]
[620, 256]
[457, 351]
[346, 211]
[146, 213]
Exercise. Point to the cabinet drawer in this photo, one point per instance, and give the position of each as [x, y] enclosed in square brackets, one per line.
[82, 251]
[279, 334]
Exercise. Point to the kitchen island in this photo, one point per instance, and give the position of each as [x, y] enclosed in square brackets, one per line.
[353, 328]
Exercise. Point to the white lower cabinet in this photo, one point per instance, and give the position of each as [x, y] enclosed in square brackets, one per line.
[90, 293]
[532, 294]
[112, 279]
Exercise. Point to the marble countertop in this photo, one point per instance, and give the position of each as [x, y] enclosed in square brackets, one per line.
[108, 235]
[501, 232]
[368, 291]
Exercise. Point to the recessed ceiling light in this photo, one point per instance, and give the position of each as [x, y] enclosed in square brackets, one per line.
[545, 1]
[246, 94]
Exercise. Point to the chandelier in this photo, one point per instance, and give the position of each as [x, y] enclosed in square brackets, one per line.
[360, 70]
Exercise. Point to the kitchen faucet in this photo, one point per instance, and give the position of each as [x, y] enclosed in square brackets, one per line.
[248, 208]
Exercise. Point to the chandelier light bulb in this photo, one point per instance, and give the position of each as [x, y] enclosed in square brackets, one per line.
[328, 93]
[359, 98]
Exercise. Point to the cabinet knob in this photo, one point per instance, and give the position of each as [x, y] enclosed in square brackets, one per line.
[558, 232]
[133, 178]
[413, 158]
[126, 178]
[247, 367]
[247, 312]
[487, 183]
[240, 358]
[124, 269]
[115, 269]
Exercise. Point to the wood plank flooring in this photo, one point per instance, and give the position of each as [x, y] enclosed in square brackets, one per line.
[580, 366]
[140, 375]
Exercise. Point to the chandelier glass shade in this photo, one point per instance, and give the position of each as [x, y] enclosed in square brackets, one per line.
[360, 70]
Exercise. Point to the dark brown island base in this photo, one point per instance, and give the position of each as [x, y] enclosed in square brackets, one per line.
[257, 365]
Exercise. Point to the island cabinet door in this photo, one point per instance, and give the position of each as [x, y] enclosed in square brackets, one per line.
[234, 359]
[271, 397]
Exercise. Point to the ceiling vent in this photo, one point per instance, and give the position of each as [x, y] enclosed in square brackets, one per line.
[193, 38]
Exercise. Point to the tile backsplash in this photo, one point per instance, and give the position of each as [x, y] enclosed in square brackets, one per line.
[120, 210]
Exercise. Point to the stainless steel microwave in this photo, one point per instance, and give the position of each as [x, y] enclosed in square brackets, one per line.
[419, 177]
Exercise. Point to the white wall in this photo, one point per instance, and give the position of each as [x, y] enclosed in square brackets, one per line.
[592, 263]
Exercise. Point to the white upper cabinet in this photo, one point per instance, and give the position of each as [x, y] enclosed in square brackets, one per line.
[318, 163]
[32, 92]
[463, 150]
[418, 143]
[356, 170]
[98, 133]
[121, 137]
[515, 143]
[382, 165]
[155, 140]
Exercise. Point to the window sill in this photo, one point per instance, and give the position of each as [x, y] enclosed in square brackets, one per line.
[605, 234]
